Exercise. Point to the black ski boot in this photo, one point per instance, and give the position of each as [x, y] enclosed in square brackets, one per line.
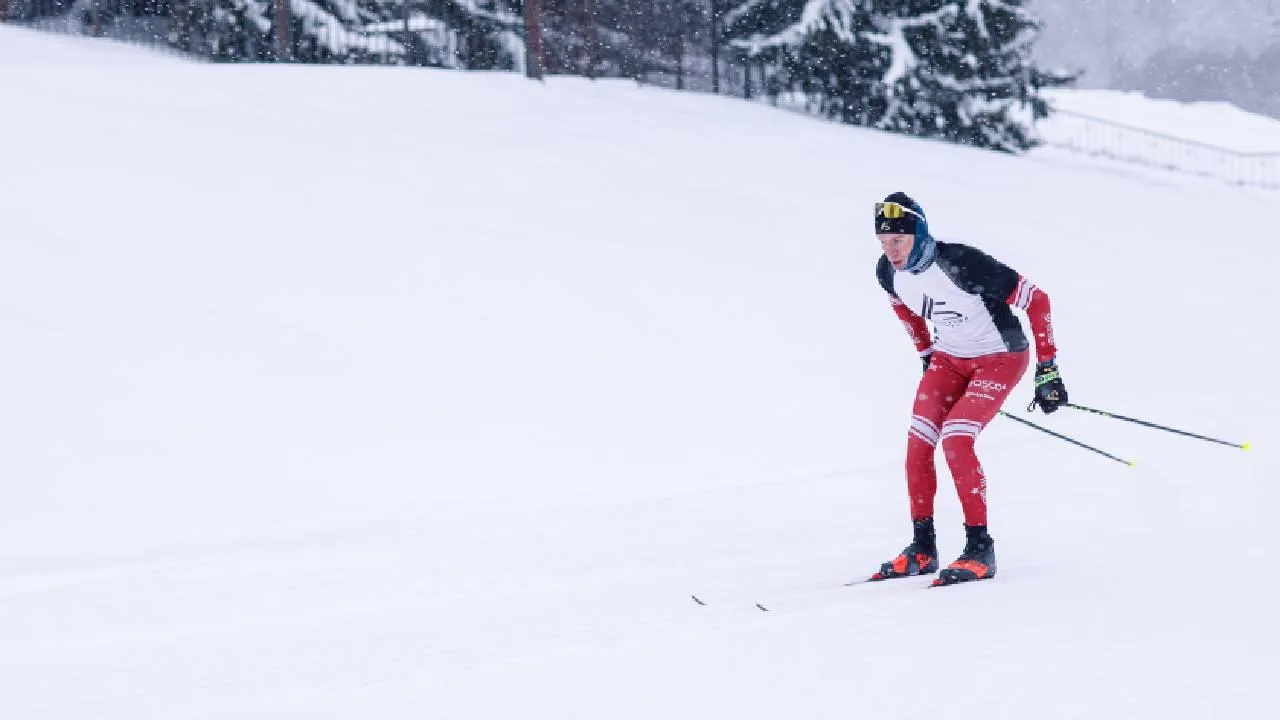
[918, 558]
[977, 562]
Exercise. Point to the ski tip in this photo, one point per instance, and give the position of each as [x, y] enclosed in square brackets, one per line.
[1246, 446]
[1133, 463]
[762, 608]
[697, 600]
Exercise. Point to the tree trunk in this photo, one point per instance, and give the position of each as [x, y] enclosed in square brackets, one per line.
[410, 57]
[747, 90]
[715, 46]
[532, 40]
[180, 27]
[679, 53]
[590, 38]
[284, 40]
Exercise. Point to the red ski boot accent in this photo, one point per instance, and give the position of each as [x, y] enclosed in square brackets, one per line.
[918, 558]
[977, 562]
[909, 563]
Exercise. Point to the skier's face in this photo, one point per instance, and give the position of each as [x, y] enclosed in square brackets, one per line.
[897, 247]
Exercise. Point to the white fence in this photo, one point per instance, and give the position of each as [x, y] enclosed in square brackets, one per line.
[1103, 138]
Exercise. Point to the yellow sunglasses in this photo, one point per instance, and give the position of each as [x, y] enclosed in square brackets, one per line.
[893, 211]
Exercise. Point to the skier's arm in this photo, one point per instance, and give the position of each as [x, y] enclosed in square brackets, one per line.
[1050, 393]
[915, 325]
[1035, 302]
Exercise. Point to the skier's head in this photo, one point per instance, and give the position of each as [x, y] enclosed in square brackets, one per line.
[904, 232]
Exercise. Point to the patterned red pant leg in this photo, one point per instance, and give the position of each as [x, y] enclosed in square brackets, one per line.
[940, 389]
[991, 379]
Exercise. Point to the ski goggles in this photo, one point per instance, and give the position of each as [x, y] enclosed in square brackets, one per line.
[895, 211]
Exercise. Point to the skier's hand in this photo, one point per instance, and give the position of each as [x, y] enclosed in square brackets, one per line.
[925, 360]
[1050, 392]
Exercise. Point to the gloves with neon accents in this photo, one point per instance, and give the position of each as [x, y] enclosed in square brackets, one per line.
[1050, 392]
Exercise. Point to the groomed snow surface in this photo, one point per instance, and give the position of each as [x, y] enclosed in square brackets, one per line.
[375, 393]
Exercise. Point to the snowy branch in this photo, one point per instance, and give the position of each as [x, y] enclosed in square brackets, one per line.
[333, 34]
[974, 10]
[731, 17]
[346, 9]
[505, 18]
[415, 23]
[903, 60]
[837, 15]
[258, 13]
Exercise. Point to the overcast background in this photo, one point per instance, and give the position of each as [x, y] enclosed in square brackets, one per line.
[1181, 49]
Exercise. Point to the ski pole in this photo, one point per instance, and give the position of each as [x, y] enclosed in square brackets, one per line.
[1060, 436]
[1144, 423]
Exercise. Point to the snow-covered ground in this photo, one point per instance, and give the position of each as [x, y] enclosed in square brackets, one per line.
[375, 393]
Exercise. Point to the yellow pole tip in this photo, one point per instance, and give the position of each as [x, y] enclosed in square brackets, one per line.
[1245, 446]
[1133, 463]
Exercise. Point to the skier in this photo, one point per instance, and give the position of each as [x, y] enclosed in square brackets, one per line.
[979, 354]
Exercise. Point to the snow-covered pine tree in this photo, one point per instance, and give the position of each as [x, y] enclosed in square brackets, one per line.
[816, 50]
[322, 31]
[961, 70]
[954, 69]
[222, 30]
[471, 34]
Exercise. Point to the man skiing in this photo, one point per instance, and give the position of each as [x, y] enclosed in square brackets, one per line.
[979, 354]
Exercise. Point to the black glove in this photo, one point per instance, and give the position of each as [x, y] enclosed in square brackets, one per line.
[1050, 392]
[925, 359]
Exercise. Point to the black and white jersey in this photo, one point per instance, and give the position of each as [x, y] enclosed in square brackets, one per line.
[966, 294]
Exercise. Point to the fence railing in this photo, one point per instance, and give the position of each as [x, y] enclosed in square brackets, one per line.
[1097, 137]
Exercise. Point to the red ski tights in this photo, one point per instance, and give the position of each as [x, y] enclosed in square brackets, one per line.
[956, 399]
